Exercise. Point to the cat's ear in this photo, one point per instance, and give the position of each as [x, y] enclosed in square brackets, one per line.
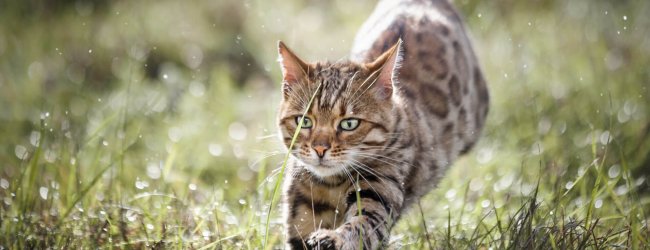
[386, 67]
[293, 68]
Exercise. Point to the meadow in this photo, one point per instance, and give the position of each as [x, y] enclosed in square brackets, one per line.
[151, 124]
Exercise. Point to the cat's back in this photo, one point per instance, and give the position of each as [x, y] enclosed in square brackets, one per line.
[428, 21]
[440, 82]
[439, 73]
[436, 47]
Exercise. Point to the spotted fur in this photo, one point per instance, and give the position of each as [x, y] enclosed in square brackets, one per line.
[414, 84]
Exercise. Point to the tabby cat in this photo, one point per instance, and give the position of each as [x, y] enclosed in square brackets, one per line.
[383, 126]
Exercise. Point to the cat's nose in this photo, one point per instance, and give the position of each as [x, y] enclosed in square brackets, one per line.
[320, 149]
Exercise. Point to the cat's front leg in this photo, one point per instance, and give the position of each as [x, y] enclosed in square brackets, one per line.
[371, 212]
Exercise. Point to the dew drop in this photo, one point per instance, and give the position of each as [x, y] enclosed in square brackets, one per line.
[237, 131]
[569, 185]
[34, 138]
[131, 215]
[153, 170]
[4, 184]
[21, 152]
[598, 203]
[215, 149]
[614, 171]
[140, 184]
[192, 186]
[43, 192]
[450, 194]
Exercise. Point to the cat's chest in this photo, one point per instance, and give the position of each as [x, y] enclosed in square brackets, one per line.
[327, 193]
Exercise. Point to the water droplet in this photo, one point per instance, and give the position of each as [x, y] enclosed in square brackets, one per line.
[215, 149]
[50, 156]
[476, 184]
[192, 186]
[4, 184]
[238, 151]
[624, 18]
[450, 194]
[140, 184]
[34, 138]
[537, 148]
[569, 185]
[43, 192]
[621, 190]
[175, 134]
[165, 76]
[485, 203]
[605, 138]
[484, 155]
[242, 201]
[131, 215]
[479, 15]
[237, 131]
[149, 226]
[105, 143]
[90, 51]
[598, 203]
[153, 170]
[21, 152]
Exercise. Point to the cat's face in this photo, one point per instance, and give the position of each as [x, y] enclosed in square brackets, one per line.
[350, 118]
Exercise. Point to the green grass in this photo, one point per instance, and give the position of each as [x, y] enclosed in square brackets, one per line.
[135, 124]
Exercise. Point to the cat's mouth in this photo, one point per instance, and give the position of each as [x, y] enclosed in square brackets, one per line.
[323, 167]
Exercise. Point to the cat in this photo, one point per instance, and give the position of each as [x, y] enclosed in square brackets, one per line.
[382, 127]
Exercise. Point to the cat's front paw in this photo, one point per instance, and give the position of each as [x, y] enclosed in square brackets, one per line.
[324, 239]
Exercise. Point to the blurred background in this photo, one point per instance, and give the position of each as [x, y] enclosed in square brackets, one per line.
[152, 123]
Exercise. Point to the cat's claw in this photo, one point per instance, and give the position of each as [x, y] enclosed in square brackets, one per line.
[324, 240]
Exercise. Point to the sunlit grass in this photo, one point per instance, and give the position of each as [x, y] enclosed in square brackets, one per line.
[146, 124]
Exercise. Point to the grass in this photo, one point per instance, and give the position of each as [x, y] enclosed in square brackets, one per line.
[151, 124]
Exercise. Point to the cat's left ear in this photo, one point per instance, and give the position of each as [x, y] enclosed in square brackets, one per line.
[386, 67]
[294, 69]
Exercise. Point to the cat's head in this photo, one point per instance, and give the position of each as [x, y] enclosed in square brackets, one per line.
[351, 116]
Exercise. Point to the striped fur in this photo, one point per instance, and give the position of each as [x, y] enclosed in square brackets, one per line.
[421, 100]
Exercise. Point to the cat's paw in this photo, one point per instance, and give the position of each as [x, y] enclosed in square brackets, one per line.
[324, 239]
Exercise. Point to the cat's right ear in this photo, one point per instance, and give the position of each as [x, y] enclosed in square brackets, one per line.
[386, 67]
[294, 70]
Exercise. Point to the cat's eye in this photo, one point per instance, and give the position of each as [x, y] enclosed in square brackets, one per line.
[349, 124]
[306, 123]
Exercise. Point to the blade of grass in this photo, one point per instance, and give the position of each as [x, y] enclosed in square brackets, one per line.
[356, 190]
[284, 165]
